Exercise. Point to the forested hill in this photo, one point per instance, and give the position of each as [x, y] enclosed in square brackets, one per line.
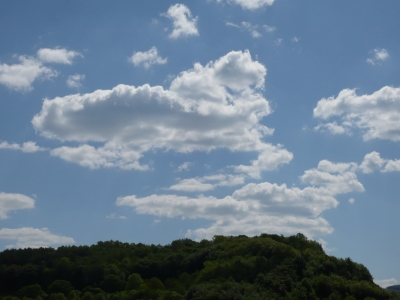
[262, 267]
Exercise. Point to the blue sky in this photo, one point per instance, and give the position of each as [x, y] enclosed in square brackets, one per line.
[149, 121]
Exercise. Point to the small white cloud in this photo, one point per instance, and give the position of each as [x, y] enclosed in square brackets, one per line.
[207, 183]
[251, 4]
[252, 29]
[384, 283]
[380, 55]
[324, 245]
[115, 216]
[392, 166]
[269, 28]
[74, 81]
[57, 55]
[295, 39]
[185, 166]
[10, 202]
[183, 22]
[333, 128]
[351, 200]
[19, 77]
[28, 237]
[278, 41]
[27, 147]
[147, 58]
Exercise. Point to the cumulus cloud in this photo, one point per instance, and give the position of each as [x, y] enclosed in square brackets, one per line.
[28, 237]
[19, 77]
[376, 115]
[257, 208]
[379, 55]
[147, 58]
[10, 202]
[183, 22]
[28, 147]
[74, 81]
[57, 55]
[250, 4]
[372, 162]
[218, 105]
[384, 283]
[207, 183]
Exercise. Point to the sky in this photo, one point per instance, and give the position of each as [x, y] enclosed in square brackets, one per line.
[151, 121]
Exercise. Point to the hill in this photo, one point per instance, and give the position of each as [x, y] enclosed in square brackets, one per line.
[237, 268]
[395, 288]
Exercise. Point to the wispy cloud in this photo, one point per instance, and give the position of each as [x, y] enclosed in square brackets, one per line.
[379, 55]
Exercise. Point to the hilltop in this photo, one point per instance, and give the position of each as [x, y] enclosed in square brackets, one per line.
[238, 268]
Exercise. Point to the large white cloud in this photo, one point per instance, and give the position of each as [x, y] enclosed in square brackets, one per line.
[11, 202]
[147, 58]
[251, 4]
[262, 207]
[377, 115]
[20, 76]
[57, 55]
[183, 22]
[208, 107]
[28, 237]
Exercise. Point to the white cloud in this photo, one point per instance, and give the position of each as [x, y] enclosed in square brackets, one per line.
[185, 166]
[207, 183]
[28, 237]
[377, 115]
[183, 22]
[115, 216]
[57, 55]
[295, 39]
[147, 59]
[379, 56]
[250, 4]
[74, 81]
[392, 166]
[257, 208]
[372, 162]
[351, 200]
[384, 283]
[10, 202]
[252, 29]
[19, 77]
[205, 108]
[333, 128]
[28, 147]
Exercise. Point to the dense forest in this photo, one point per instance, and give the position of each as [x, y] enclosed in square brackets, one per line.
[262, 267]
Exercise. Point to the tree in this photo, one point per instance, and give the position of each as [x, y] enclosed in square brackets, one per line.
[134, 282]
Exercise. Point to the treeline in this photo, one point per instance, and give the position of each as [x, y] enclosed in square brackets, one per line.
[237, 268]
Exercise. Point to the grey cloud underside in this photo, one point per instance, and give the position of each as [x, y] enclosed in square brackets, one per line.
[208, 107]
[262, 207]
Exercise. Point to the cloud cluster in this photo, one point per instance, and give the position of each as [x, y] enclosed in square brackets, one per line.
[376, 115]
[20, 76]
[379, 55]
[250, 4]
[208, 107]
[147, 58]
[262, 207]
[373, 162]
[11, 202]
[183, 22]
[28, 237]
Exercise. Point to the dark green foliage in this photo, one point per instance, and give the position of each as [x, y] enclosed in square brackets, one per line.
[234, 268]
